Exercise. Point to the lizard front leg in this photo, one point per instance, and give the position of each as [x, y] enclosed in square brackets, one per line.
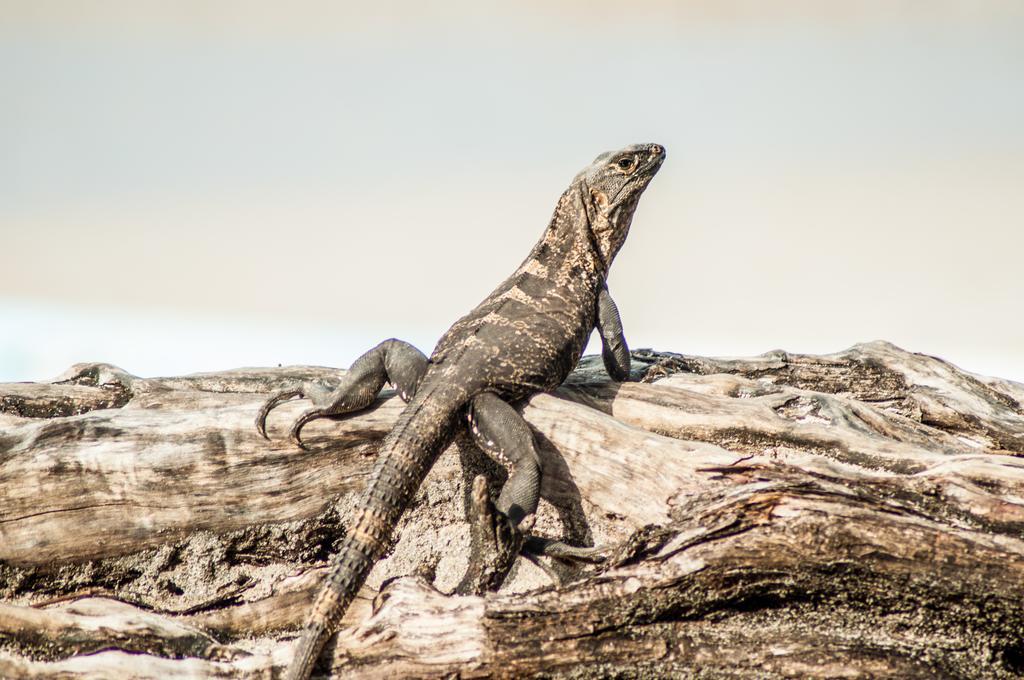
[393, 361]
[614, 350]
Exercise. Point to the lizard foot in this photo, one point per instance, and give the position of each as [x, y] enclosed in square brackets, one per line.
[322, 406]
[272, 401]
[496, 543]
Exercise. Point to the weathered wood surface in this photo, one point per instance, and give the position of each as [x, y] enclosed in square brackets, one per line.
[858, 515]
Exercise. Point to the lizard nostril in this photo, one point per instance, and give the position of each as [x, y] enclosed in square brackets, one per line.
[657, 150]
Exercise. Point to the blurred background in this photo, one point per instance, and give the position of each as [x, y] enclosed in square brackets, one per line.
[193, 185]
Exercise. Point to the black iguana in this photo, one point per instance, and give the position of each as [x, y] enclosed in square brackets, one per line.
[526, 337]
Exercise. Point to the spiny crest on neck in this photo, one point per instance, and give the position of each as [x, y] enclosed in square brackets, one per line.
[596, 211]
[611, 187]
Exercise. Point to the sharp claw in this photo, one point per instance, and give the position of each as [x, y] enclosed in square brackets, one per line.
[269, 404]
[300, 422]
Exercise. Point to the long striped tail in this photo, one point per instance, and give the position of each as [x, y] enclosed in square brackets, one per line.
[423, 430]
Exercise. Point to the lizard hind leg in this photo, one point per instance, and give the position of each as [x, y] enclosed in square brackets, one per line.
[393, 361]
[500, 530]
[496, 528]
[502, 434]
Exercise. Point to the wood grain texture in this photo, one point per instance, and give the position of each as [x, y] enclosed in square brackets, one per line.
[859, 514]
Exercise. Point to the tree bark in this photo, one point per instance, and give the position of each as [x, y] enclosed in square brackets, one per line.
[859, 514]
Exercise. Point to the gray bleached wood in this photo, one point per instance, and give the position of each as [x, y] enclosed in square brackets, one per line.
[860, 513]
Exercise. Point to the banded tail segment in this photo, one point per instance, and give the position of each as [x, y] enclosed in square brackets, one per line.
[422, 432]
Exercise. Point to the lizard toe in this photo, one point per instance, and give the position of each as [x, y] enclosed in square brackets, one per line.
[296, 432]
[549, 547]
[276, 398]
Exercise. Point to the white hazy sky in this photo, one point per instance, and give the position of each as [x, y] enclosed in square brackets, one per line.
[196, 186]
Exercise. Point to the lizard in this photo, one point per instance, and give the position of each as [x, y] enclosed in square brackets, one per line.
[524, 338]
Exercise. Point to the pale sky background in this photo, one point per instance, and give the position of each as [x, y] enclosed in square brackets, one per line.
[193, 185]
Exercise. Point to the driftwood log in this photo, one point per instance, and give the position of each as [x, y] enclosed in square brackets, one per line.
[859, 514]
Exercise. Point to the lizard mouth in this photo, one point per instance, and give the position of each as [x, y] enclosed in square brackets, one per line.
[656, 158]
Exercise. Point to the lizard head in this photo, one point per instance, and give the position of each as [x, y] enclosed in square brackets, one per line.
[610, 188]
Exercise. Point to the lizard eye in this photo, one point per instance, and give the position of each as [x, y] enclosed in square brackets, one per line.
[626, 162]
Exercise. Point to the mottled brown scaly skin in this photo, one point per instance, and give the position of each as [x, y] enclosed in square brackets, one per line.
[524, 338]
